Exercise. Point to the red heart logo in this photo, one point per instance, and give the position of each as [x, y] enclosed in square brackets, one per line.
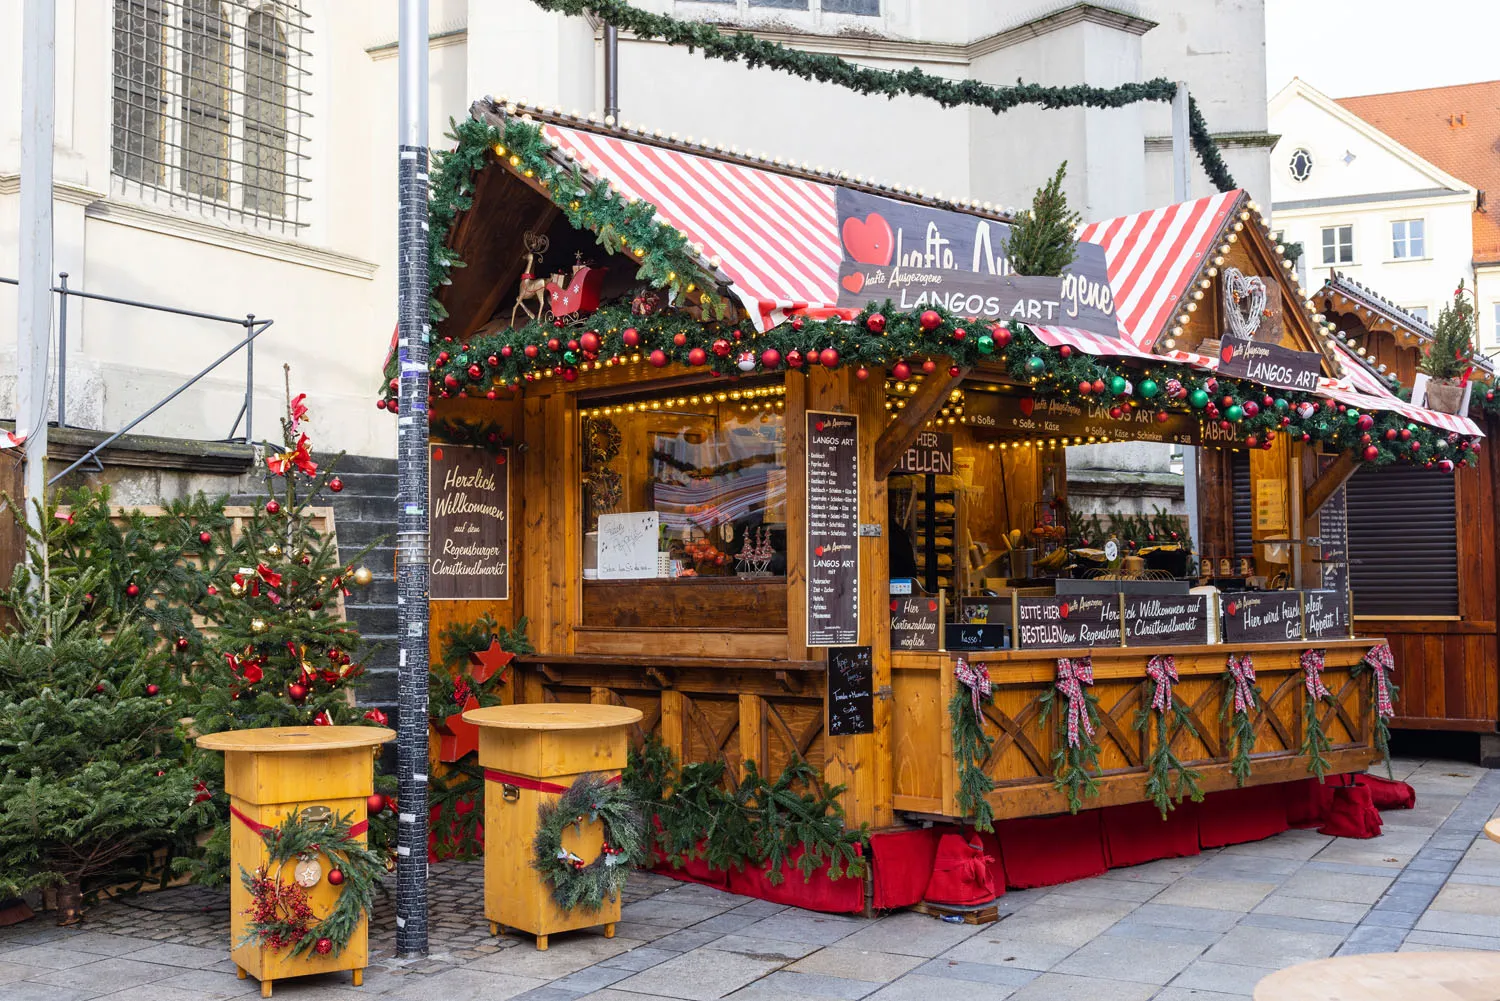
[819, 550]
[932, 606]
[1226, 353]
[1027, 405]
[1063, 611]
[894, 603]
[870, 241]
[437, 455]
[853, 282]
[1233, 607]
[819, 425]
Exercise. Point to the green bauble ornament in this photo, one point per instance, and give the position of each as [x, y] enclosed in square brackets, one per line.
[1198, 398]
[1035, 365]
[1117, 385]
[1149, 388]
[570, 358]
[986, 344]
[1281, 405]
[1235, 413]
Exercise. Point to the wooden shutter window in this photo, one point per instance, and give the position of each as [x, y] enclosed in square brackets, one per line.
[1239, 492]
[1403, 542]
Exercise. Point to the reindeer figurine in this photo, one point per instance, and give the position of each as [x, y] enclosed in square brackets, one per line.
[532, 287]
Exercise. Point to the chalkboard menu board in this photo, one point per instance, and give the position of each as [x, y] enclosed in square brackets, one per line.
[1168, 620]
[1262, 616]
[1325, 614]
[916, 623]
[1333, 533]
[851, 691]
[468, 494]
[1074, 620]
[832, 529]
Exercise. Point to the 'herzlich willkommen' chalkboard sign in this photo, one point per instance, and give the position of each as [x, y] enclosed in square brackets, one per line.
[832, 529]
[851, 691]
[1167, 619]
[468, 495]
[1074, 620]
[1262, 616]
[1325, 614]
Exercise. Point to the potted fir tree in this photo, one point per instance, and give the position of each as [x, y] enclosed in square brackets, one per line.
[1449, 359]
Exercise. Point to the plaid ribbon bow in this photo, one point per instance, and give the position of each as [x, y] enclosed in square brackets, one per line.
[976, 679]
[1242, 670]
[1162, 670]
[1072, 674]
[1312, 669]
[1382, 663]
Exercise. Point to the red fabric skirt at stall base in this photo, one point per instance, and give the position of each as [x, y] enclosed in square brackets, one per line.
[1137, 833]
[845, 895]
[901, 865]
[1234, 816]
[1043, 851]
[1352, 814]
[1387, 794]
[960, 872]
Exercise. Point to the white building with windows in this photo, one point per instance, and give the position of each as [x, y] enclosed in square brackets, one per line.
[237, 156]
[1397, 206]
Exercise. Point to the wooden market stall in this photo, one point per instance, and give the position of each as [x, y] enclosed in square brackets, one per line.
[695, 494]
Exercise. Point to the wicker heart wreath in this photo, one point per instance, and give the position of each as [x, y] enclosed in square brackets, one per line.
[575, 882]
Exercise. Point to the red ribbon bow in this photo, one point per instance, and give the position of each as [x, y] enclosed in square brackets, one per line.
[301, 457]
[1312, 669]
[976, 679]
[1072, 674]
[1162, 670]
[1242, 670]
[1382, 663]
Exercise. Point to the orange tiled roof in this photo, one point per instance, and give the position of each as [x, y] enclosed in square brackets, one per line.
[1456, 129]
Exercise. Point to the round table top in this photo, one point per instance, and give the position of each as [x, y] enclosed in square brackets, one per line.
[297, 738]
[553, 716]
[1492, 829]
[1387, 976]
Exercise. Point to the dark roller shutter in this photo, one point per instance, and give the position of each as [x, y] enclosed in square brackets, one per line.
[1239, 491]
[1403, 542]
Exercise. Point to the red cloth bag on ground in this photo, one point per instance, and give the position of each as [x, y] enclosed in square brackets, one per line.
[1137, 832]
[1235, 816]
[1308, 802]
[902, 866]
[960, 873]
[1352, 815]
[1386, 794]
[1045, 851]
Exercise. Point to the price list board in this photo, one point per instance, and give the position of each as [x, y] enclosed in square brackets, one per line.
[832, 529]
[1333, 533]
[851, 691]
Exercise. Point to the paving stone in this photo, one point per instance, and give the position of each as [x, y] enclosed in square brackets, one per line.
[803, 926]
[999, 950]
[1178, 916]
[1369, 938]
[1247, 945]
[1469, 899]
[727, 923]
[1223, 978]
[984, 973]
[11, 972]
[1059, 987]
[1120, 958]
[463, 985]
[1141, 931]
[1323, 885]
[1433, 939]
[1214, 894]
[668, 914]
[856, 964]
[788, 984]
[182, 955]
[1308, 907]
[591, 978]
[1193, 994]
[1292, 844]
[915, 987]
[763, 948]
[548, 993]
[639, 959]
[910, 934]
[51, 957]
[1317, 865]
[1159, 871]
[1457, 922]
[1298, 924]
[701, 975]
[105, 975]
[564, 955]
[761, 908]
[1105, 889]
[103, 944]
[687, 940]
[28, 990]
[1390, 917]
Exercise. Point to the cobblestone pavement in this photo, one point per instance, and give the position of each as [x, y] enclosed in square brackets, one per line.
[1206, 928]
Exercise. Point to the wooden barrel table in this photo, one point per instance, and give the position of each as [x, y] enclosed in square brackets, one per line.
[325, 771]
[530, 754]
[1388, 976]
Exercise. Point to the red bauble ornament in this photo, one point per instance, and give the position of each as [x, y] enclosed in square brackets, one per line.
[589, 341]
[901, 371]
[450, 380]
[1161, 417]
[1416, 446]
[505, 352]
[336, 877]
[475, 371]
[182, 642]
[861, 373]
[493, 361]
[1225, 426]
[323, 946]
[152, 689]
[570, 375]
[376, 803]
[1405, 434]
[336, 484]
[1365, 422]
[1390, 434]
[296, 692]
[721, 347]
[1251, 441]
[1227, 402]
[954, 371]
[1116, 413]
[132, 589]
[794, 358]
[1211, 384]
[1371, 453]
[959, 333]
[829, 357]
[796, 324]
[380, 405]
[553, 344]
[929, 320]
[442, 358]
[531, 350]
[770, 357]
[205, 537]
[658, 358]
[697, 356]
[1085, 387]
[876, 323]
[1251, 408]
[1001, 335]
[272, 507]
[679, 339]
[929, 366]
[1065, 351]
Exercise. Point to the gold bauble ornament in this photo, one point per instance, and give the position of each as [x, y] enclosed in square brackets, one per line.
[236, 589]
[257, 625]
[273, 550]
[363, 576]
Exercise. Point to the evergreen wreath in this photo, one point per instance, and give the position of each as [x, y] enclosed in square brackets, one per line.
[971, 745]
[1241, 699]
[1168, 780]
[280, 914]
[575, 882]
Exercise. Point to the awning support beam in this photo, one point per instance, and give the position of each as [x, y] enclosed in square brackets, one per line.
[897, 438]
[1324, 486]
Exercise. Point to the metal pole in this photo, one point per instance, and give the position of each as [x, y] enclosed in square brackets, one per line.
[34, 314]
[1182, 186]
[411, 484]
[612, 72]
[62, 349]
[250, 380]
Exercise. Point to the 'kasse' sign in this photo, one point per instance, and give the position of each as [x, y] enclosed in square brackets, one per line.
[1075, 620]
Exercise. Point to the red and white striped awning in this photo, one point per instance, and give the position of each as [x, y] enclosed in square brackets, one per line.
[1360, 388]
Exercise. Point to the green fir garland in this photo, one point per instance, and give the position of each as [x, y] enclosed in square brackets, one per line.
[743, 47]
[971, 748]
[1315, 743]
[1168, 780]
[575, 881]
[1237, 706]
[1074, 764]
[1382, 728]
[479, 434]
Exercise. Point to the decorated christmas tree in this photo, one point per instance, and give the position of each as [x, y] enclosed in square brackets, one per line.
[1042, 241]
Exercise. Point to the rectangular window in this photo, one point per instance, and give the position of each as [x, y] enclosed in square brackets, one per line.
[1420, 312]
[1338, 244]
[869, 8]
[1495, 332]
[1404, 565]
[1408, 238]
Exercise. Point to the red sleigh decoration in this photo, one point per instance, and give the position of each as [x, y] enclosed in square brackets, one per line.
[582, 294]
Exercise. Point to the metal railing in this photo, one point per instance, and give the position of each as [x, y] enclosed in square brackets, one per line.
[253, 328]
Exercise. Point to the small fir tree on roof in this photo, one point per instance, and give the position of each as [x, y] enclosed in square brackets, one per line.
[1451, 353]
[1043, 241]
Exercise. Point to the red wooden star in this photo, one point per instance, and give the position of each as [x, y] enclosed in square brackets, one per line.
[457, 737]
[484, 665]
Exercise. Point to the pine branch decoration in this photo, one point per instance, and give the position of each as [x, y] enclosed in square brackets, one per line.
[1042, 241]
[1241, 699]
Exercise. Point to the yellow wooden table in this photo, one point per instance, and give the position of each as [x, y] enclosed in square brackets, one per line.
[531, 754]
[1492, 829]
[1388, 976]
[270, 773]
